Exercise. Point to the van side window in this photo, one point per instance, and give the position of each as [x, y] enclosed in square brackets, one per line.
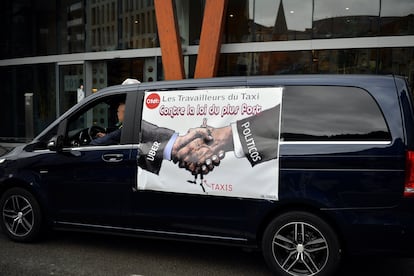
[94, 121]
[329, 113]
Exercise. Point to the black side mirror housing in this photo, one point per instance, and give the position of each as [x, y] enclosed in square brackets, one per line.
[55, 143]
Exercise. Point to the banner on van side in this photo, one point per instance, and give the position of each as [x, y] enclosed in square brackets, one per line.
[222, 142]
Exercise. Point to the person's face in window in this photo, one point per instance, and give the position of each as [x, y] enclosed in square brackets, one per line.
[121, 111]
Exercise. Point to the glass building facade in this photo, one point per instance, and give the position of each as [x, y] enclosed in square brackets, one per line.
[54, 52]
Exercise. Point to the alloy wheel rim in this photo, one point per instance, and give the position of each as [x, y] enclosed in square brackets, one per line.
[18, 215]
[300, 249]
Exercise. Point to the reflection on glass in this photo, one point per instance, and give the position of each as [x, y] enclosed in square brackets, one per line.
[71, 26]
[328, 115]
[120, 69]
[32, 28]
[114, 72]
[281, 20]
[266, 63]
[28, 28]
[345, 61]
[195, 11]
[398, 61]
[268, 20]
[117, 25]
[237, 23]
[352, 18]
[397, 17]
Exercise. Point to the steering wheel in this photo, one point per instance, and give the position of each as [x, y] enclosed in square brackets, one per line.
[93, 131]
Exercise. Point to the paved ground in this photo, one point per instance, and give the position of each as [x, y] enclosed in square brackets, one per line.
[68, 253]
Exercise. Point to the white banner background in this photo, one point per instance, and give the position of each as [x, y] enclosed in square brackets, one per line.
[234, 176]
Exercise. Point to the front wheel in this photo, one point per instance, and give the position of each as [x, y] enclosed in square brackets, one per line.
[300, 243]
[21, 217]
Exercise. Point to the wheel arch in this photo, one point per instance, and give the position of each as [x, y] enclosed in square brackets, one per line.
[301, 207]
[19, 183]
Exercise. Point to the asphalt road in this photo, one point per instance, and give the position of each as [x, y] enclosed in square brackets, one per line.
[69, 253]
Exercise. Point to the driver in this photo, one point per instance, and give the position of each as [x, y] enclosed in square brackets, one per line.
[104, 139]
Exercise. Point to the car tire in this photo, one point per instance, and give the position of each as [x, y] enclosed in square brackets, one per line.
[20, 215]
[300, 243]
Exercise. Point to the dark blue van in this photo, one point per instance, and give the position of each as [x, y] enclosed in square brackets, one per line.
[305, 168]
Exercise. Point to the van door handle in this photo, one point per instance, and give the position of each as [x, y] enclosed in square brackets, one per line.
[112, 157]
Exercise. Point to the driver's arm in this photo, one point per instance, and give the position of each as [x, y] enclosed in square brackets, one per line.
[112, 138]
[100, 134]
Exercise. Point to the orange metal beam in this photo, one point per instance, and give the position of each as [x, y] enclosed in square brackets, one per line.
[210, 41]
[172, 58]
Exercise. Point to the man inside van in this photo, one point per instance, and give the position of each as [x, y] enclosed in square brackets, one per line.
[114, 137]
[152, 134]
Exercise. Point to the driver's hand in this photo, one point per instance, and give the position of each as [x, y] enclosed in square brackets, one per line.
[100, 134]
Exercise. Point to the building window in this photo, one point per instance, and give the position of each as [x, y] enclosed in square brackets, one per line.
[397, 17]
[337, 18]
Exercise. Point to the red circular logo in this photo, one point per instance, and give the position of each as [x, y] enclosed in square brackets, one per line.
[153, 100]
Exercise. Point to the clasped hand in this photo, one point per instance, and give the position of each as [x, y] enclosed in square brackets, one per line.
[201, 149]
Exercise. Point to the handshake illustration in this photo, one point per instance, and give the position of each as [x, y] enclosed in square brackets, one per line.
[201, 149]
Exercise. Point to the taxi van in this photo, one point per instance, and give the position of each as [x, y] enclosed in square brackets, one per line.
[305, 168]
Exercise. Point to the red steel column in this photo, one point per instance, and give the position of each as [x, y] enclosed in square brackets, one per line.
[172, 58]
[210, 41]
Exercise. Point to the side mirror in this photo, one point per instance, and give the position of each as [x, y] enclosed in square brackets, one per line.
[55, 143]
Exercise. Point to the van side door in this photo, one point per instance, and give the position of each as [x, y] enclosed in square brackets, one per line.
[87, 183]
[197, 212]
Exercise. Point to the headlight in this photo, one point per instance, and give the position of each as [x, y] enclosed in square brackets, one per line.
[2, 160]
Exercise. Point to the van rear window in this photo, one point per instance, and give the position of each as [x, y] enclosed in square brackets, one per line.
[329, 113]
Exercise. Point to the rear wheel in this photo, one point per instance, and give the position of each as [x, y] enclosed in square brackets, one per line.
[300, 243]
[21, 217]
